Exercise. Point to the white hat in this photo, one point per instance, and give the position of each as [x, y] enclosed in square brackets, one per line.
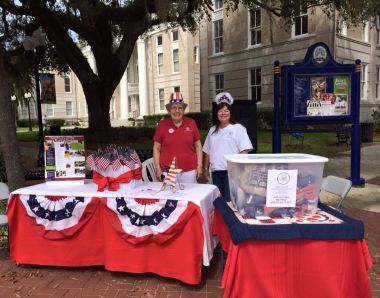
[224, 97]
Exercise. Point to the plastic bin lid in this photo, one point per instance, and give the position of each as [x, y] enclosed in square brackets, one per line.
[275, 158]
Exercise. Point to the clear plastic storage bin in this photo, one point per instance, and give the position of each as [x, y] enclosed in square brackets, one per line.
[248, 179]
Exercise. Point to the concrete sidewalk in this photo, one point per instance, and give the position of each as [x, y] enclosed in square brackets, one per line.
[367, 197]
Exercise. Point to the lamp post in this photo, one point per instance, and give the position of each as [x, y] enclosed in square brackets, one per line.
[34, 47]
[14, 104]
[27, 97]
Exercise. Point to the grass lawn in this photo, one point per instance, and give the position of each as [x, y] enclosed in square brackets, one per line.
[324, 144]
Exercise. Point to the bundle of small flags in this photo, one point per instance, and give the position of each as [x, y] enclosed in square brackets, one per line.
[113, 156]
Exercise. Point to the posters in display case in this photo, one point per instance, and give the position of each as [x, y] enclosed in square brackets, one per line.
[321, 95]
[64, 159]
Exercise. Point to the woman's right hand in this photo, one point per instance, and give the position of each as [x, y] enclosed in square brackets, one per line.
[158, 173]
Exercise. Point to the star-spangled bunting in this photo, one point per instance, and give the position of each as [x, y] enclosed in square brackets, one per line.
[140, 220]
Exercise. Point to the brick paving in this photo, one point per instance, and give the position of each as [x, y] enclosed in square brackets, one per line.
[38, 281]
[44, 281]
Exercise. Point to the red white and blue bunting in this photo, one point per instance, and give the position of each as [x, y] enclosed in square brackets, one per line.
[154, 219]
[58, 213]
[135, 220]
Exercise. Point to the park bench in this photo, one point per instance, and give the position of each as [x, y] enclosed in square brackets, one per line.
[343, 138]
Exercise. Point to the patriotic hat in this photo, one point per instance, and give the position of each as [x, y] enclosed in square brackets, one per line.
[176, 98]
[224, 97]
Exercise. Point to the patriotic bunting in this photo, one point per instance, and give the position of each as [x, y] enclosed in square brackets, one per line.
[61, 217]
[141, 220]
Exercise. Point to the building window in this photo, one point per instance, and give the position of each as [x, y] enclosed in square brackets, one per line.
[255, 84]
[175, 60]
[377, 83]
[49, 110]
[161, 99]
[159, 40]
[218, 4]
[218, 36]
[160, 63]
[69, 108]
[255, 26]
[196, 54]
[301, 21]
[219, 83]
[175, 36]
[177, 89]
[363, 81]
[67, 83]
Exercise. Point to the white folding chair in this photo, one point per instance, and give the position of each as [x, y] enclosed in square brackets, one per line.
[338, 187]
[149, 170]
[4, 195]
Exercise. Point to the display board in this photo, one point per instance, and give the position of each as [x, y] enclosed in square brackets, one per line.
[321, 95]
[318, 90]
[64, 159]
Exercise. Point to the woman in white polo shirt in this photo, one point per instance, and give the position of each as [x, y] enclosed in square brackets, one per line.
[225, 137]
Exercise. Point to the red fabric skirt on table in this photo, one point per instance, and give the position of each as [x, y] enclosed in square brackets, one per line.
[294, 268]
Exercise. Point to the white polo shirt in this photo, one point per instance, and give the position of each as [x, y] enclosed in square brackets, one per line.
[229, 140]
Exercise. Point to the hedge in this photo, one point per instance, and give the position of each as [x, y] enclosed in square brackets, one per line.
[55, 122]
[203, 119]
[25, 122]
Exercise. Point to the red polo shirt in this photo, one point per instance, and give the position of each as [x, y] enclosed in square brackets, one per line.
[178, 142]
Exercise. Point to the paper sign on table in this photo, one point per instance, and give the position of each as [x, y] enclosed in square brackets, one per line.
[281, 188]
[64, 159]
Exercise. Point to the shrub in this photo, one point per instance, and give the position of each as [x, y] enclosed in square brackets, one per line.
[151, 120]
[203, 119]
[55, 122]
[117, 135]
[265, 118]
[25, 122]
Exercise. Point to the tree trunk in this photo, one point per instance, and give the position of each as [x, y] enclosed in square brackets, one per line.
[8, 139]
[98, 104]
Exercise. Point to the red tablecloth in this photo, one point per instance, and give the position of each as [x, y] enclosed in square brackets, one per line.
[294, 268]
[98, 242]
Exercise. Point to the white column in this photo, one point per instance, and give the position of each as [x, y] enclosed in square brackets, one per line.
[143, 92]
[124, 97]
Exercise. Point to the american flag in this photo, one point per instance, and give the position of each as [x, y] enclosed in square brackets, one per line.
[135, 157]
[103, 162]
[90, 161]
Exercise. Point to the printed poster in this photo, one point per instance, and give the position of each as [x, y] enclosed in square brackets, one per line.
[321, 95]
[328, 96]
[64, 158]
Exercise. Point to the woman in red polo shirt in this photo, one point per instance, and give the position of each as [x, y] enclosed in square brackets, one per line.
[178, 136]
